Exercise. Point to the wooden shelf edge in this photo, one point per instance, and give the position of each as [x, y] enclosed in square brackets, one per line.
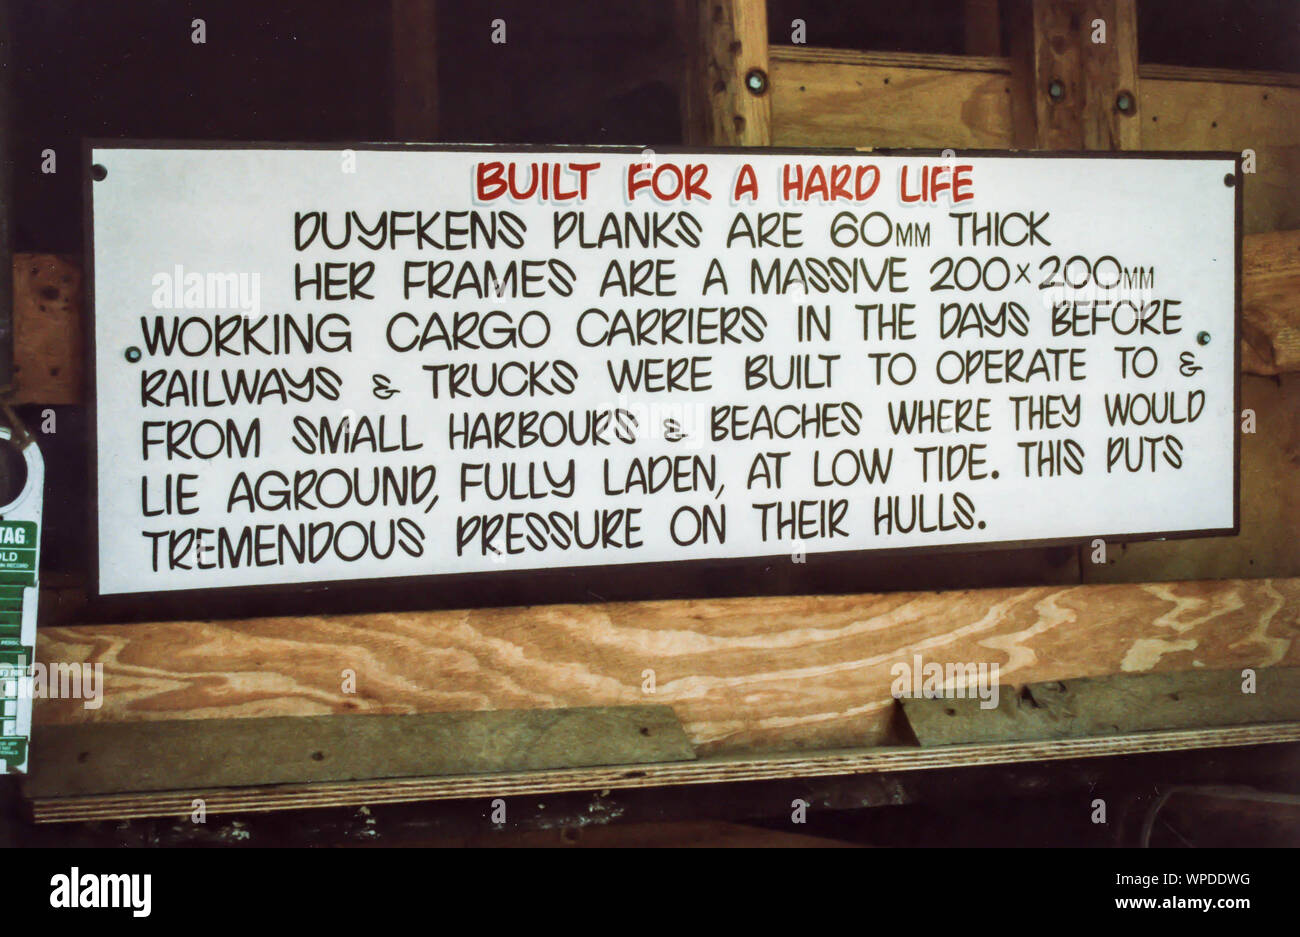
[714, 770]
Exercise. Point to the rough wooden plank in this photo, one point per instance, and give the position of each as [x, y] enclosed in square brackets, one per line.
[415, 69]
[1032, 26]
[1270, 506]
[49, 330]
[177, 754]
[1115, 704]
[726, 48]
[741, 674]
[1217, 115]
[1110, 74]
[706, 771]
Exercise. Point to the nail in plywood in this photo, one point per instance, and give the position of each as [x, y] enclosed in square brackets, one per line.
[1066, 83]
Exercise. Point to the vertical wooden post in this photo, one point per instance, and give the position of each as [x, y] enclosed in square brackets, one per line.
[1110, 118]
[415, 70]
[1074, 74]
[726, 96]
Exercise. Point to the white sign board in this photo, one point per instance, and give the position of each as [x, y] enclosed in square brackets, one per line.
[315, 365]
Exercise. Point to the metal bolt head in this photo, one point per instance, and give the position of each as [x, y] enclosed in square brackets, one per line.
[132, 354]
[1202, 338]
[1056, 90]
[756, 81]
[99, 172]
[1125, 104]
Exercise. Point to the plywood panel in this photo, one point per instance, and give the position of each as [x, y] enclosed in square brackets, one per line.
[742, 674]
[832, 98]
[1217, 115]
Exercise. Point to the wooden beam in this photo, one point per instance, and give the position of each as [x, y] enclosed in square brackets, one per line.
[104, 758]
[726, 87]
[1110, 71]
[742, 675]
[1071, 90]
[415, 69]
[832, 98]
[835, 97]
[716, 770]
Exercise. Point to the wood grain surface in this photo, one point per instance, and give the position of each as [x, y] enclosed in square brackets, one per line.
[829, 98]
[743, 675]
[1216, 115]
[1270, 299]
[1051, 46]
[724, 41]
[833, 98]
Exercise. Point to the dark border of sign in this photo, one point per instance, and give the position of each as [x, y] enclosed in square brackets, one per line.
[548, 585]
